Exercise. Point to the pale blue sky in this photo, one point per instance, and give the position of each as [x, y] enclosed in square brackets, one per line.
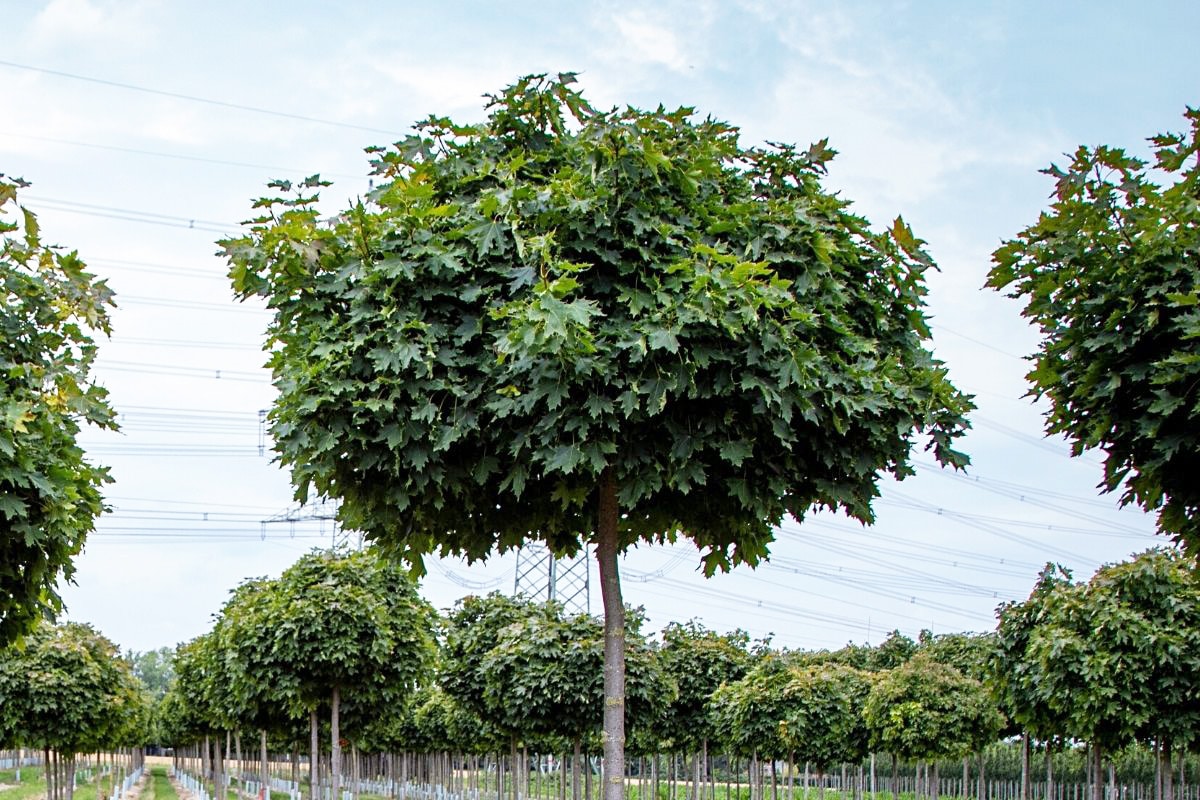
[942, 111]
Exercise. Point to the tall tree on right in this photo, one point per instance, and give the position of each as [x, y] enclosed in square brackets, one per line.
[1111, 275]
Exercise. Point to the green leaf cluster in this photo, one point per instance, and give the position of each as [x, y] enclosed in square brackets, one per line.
[67, 688]
[925, 710]
[536, 672]
[1111, 276]
[526, 302]
[49, 493]
[699, 661]
[279, 647]
[1107, 661]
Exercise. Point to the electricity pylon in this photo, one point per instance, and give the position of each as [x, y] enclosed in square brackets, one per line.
[542, 576]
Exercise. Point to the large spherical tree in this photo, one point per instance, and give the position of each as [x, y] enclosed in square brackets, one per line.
[593, 328]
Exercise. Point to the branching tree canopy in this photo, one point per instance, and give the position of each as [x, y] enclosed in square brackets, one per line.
[699, 661]
[332, 625]
[587, 326]
[68, 689]
[925, 710]
[1111, 275]
[1110, 660]
[49, 494]
[825, 723]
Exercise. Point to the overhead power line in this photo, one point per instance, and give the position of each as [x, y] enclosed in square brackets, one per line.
[178, 156]
[131, 215]
[194, 98]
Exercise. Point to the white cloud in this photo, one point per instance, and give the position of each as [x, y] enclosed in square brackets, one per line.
[73, 22]
[648, 39]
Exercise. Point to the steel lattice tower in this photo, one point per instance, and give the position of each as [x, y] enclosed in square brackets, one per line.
[542, 576]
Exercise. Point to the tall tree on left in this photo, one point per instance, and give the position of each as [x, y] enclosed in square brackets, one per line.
[49, 493]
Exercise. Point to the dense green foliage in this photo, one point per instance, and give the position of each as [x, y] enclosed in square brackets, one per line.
[348, 620]
[67, 688]
[926, 710]
[154, 668]
[49, 494]
[1111, 275]
[698, 661]
[1109, 660]
[527, 302]
[825, 723]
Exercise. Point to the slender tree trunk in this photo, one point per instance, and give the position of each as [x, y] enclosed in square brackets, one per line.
[895, 778]
[1025, 777]
[314, 754]
[981, 786]
[933, 792]
[575, 771]
[1097, 772]
[515, 782]
[1168, 783]
[335, 744]
[266, 770]
[607, 546]
[1049, 771]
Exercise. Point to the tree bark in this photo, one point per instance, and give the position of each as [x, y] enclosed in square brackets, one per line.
[314, 753]
[335, 745]
[1049, 771]
[1168, 780]
[575, 770]
[1025, 778]
[266, 777]
[1097, 772]
[607, 549]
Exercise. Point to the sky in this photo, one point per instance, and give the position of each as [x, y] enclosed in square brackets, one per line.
[148, 128]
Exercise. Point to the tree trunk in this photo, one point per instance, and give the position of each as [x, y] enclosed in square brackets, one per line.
[1025, 777]
[1097, 772]
[895, 778]
[1168, 783]
[513, 791]
[335, 745]
[607, 547]
[934, 788]
[981, 787]
[1049, 771]
[575, 771]
[314, 754]
[71, 778]
[266, 775]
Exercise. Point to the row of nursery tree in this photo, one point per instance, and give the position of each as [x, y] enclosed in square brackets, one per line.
[342, 649]
[341, 652]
